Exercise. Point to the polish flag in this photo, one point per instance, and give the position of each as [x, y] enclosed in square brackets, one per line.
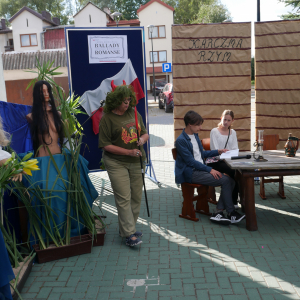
[91, 99]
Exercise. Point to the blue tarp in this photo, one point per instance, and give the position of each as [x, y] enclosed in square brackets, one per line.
[14, 121]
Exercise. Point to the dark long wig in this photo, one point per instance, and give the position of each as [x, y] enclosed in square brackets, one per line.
[40, 121]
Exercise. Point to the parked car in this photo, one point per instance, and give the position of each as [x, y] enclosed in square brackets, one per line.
[165, 98]
[159, 85]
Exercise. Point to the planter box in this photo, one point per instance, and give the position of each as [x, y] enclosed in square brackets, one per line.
[78, 245]
[25, 271]
[99, 241]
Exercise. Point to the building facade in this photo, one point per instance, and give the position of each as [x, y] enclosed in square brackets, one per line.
[159, 14]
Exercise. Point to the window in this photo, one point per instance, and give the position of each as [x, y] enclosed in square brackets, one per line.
[159, 32]
[28, 40]
[158, 56]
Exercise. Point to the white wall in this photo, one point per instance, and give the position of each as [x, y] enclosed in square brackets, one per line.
[19, 26]
[98, 17]
[3, 41]
[157, 14]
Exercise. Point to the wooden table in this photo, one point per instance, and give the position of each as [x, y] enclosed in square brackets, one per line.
[277, 165]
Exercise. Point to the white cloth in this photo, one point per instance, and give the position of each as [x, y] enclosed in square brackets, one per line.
[4, 154]
[196, 150]
[218, 140]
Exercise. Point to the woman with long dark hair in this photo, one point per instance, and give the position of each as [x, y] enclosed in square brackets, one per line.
[46, 124]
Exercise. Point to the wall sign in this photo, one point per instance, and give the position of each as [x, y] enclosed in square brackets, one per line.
[107, 49]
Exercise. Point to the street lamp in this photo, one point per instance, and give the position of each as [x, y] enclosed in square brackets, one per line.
[117, 15]
[258, 10]
[151, 28]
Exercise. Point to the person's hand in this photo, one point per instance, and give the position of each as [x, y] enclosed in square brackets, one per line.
[220, 151]
[135, 153]
[17, 177]
[216, 174]
[140, 142]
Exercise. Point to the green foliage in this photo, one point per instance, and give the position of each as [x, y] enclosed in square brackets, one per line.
[100, 3]
[76, 201]
[213, 12]
[198, 11]
[128, 7]
[295, 4]
[62, 9]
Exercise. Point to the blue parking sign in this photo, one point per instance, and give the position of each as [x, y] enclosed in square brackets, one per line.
[167, 67]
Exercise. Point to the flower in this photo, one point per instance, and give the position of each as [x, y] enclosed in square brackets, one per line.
[30, 165]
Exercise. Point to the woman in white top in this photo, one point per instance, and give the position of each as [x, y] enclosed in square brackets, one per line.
[223, 137]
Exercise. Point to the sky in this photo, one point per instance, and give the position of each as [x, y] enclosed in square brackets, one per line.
[246, 10]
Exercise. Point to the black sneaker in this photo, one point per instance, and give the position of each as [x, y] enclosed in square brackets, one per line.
[219, 217]
[236, 217]
[130, 242]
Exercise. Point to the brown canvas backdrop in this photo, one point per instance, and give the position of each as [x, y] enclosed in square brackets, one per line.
[211, 73]
[277, 67]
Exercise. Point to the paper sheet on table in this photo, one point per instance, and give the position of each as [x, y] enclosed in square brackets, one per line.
[229, 153]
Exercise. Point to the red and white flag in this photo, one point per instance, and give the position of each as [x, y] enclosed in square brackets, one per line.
[91, 99]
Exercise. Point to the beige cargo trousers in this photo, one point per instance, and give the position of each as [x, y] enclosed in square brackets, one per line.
[127, 184]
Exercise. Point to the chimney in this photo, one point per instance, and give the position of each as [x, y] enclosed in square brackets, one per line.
[3, 25]
[46, 15]
[107, 10]
[56, 20]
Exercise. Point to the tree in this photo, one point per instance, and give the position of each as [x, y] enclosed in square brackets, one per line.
[198, 11]
[129, 7]
[295, 6]
[212, 13]
[62, 9]
[100, 3]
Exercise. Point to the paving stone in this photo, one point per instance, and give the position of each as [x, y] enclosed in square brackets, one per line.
[180, 259]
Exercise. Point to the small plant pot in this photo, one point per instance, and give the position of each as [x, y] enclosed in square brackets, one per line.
[25, 271]
[78, 245]
[99, 239]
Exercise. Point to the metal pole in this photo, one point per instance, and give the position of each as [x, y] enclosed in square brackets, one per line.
[258, 10]
[154, 91]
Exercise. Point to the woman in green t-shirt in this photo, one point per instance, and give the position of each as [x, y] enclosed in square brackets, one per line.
[121, 156]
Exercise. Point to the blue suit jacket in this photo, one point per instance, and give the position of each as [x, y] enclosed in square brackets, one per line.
[185, 162]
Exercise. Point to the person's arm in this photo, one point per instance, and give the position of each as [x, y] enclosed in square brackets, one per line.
[234, 140]
[188, 158]
[121, 151]
[143, 139]
[213, 140]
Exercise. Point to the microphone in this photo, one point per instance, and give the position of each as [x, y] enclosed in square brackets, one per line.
[241, 157]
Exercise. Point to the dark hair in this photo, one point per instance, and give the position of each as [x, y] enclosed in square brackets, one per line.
[115, 98]
[226, 112]
[193, 118]
[40, 123]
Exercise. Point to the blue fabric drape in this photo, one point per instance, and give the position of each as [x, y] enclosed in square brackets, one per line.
[59, 202]
[14, 122]
[6, 272]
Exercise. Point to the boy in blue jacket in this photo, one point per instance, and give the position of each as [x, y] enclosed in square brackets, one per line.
[190, 167]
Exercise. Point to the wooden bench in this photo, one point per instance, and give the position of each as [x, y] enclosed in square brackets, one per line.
[188, 211]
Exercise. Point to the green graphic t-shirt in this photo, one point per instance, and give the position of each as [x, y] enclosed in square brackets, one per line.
[121, 131]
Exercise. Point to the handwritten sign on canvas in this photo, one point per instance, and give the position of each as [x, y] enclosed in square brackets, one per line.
[107, 49]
